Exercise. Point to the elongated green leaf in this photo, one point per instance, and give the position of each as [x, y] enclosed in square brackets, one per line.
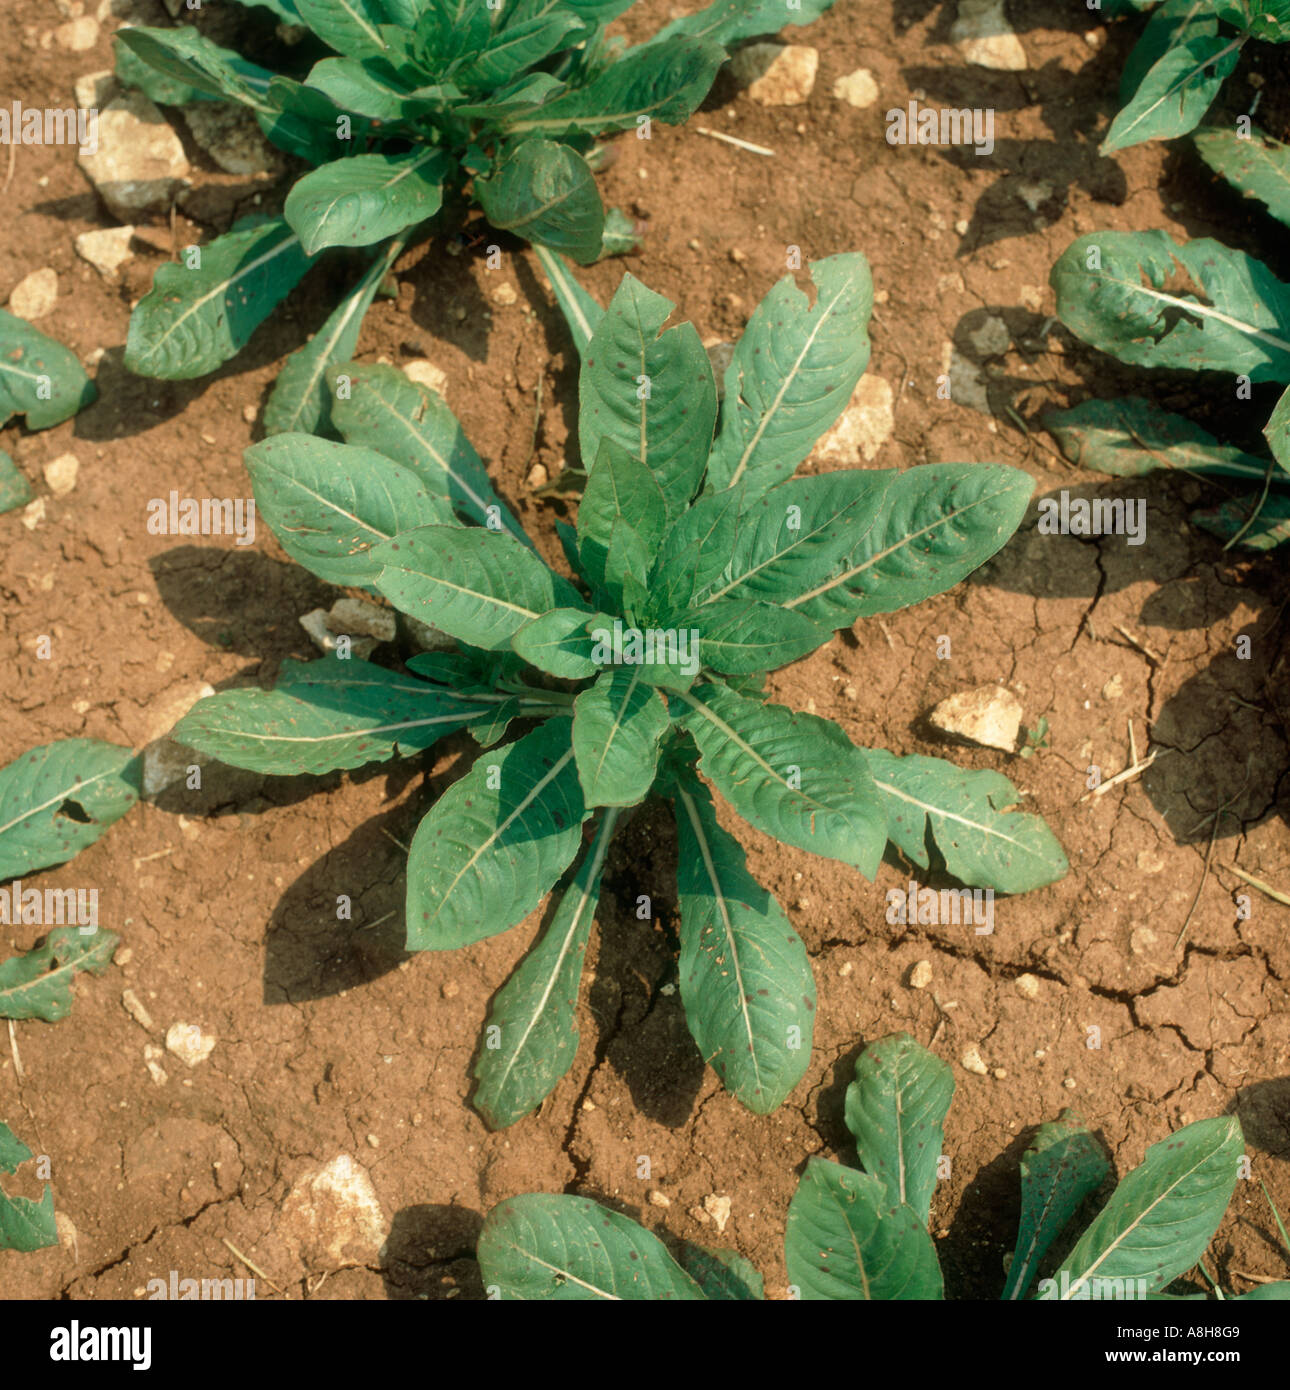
[366, 198]
[525, 94]
[1063, 1165]
[192, 321]
[383, 410]
[495, 842]
[1114, 289]
[477, 585]
[39, 984]
[617, 725]
[24, 1225]
[1260, 525]
[936, 523]
[192, 62]
[15, 490]
[665, 82]
[546, 193]
[621, 489]
[792, 373]
[359, 85]
[1160, 1218]
[794, 537]
[1181, 83]
[1129, 436]
[57, 799]
[301, 398]
[560, 643]
[330, 504]
[523, 42]
[695, 551]
[650, 392]
[1256, 164]
[739, 636]
[352, 27]
[728, 21]
[534, 1016]
[794, 776]
[844, 1240]
[983, 844]
[327, 714]
[746, 981]
[39, 378]
[580, 310]
[896, 1110]
[562, 1247]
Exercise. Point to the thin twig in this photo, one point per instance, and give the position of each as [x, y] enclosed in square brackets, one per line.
[13, 153]
[1276, 1216]
[13, 1047]
[1254, 515]
[1133, 745]
[255, 1269]
[405, 848]
[735, 140]
[1141, 646]
[1275, 894]
[1133, 770]
[1209, 853]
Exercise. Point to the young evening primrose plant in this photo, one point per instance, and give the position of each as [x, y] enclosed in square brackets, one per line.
[423, 107]
[859, 1236]
[700, 564]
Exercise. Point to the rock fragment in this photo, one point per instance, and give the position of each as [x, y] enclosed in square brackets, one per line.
[989, 715]
[35, 295]
[776, 74]
[139, 165]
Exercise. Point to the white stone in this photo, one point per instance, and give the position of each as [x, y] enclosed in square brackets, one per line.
[718, 1208]
[425, 373]
[189, 1043]
[988, 715]
[107, 249]
[358, 616]
[60, 474]
[991, 337]
[1027, 986]
[139, 165]
[168, 708]
[921, 975]
[776, 74]
[332, 1218]
[35, 295]
[78, 35]
[863, 427]
[857, 88]
[971, 1061]
[982, 34]
[95, 89]
[504, 294]
[316, 625]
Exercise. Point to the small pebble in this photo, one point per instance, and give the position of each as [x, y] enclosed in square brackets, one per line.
[971, 1061]
[921, 975]
[1027, 985]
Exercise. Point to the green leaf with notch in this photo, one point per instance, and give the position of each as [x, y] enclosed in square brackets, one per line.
[792, 373]
[745, 977]
[1114, 290]
[794, 776]
[495, 842]
[39, 984]
[24, 1225]
[568, 1248]
[617, 725]
[844, 1240]
[329, 504]
[896, 1109]
[982, 843]
[98, 781]
[535, 1011]
[477, 585]
[192, 321]
[649, 392]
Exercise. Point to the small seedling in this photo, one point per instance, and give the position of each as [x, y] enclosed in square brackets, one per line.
[855, 1235]
[1036, 739]
[699, 565]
